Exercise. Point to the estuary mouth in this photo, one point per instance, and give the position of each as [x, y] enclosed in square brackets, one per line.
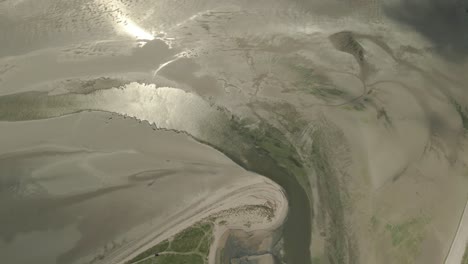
[172, 109]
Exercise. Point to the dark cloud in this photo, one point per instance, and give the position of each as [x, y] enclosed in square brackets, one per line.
[443, 22]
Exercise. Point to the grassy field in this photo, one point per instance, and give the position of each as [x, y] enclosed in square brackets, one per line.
[161, 247]
[187, 240]
[191, 246]
[176, 259]
[406, 238]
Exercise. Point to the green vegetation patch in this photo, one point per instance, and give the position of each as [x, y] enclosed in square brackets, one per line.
[146, 261]
[406, 238]
[266, 143]
[462, 112]
[316, 260]
[279, 149]
[205, 244]
[191, 246]
[359, 106]
[156, 249]
[206, 227]
[187, 240]
[310, 81]
[465, 256]
[178, 259]
[407, 234]
[374, 222]
[325, 92]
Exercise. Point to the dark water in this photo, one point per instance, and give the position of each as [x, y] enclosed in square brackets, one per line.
[297, 228]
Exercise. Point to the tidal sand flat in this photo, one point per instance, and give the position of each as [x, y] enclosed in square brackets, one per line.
[91, 194]
[227, 131]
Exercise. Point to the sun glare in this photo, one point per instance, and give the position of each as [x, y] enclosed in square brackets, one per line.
[136, 31]
[123, 23]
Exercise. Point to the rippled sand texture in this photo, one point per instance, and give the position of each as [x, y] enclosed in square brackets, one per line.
[362, 103]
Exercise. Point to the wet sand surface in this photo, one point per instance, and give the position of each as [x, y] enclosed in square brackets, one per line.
[69, 193]
[356, 110]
